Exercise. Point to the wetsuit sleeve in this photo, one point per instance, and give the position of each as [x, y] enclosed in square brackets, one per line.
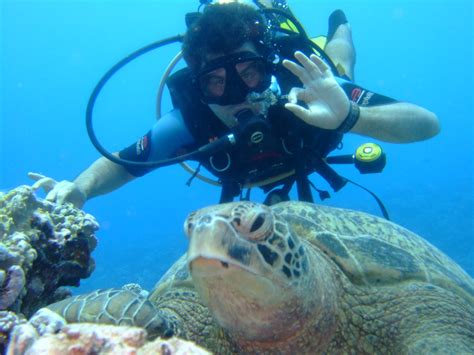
[169, 137]
[362, 96]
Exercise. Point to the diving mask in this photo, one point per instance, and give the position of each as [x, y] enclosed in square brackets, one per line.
[229, 79]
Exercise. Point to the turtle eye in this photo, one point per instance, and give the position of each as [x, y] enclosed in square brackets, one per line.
[189, 224]
[259, 221]
[188, 228]
[255, 223]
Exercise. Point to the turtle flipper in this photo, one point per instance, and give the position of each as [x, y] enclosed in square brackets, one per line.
[116, 307]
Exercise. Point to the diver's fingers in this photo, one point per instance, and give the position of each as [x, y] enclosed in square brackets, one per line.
[47, 184]
[61, 197]
[307, 72]
[297, 70]
[322, 66]
[310, 66]
[294, 95]
[36, 176]
[52, 196]
[42, 182]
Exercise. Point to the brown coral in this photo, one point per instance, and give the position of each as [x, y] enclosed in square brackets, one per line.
[43, 246]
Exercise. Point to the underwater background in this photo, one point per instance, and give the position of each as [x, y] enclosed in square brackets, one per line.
[54, 52]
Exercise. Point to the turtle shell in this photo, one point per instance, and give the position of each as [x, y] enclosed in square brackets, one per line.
[373, 251]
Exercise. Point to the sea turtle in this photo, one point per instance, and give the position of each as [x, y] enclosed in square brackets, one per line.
[302, 278]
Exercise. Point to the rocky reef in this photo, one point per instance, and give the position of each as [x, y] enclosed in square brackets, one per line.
[43, 247]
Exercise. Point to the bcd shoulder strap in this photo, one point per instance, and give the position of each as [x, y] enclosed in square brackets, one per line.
[198, 117]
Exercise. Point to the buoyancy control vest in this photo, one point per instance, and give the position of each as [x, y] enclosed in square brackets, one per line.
[292, 147]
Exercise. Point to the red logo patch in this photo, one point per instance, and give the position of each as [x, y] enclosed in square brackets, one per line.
[355, 94]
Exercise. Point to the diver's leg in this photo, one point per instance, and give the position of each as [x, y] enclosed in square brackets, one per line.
[339, 46]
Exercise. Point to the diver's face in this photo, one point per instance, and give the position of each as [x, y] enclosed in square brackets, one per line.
[216, 82]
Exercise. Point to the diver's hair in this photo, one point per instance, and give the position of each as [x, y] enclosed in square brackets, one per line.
[222, 28]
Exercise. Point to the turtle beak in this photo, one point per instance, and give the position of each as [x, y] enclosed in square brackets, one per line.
[217, 241]
[216, 252]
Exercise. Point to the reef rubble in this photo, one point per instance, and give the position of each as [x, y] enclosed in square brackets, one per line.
[47, 333]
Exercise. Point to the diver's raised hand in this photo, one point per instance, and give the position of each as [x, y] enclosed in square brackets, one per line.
[327, 104]
[59, 192]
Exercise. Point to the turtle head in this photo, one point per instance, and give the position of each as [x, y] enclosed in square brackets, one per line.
[250, 270]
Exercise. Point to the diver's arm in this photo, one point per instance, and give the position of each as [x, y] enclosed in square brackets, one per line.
[398, 122]
[102, 177]
[168, 135]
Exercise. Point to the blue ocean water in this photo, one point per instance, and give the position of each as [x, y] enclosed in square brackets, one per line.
[54, 52]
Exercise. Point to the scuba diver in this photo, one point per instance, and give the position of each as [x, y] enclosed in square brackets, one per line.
[281, 106]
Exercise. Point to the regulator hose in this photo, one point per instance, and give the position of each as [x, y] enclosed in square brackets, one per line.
[95, 93]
